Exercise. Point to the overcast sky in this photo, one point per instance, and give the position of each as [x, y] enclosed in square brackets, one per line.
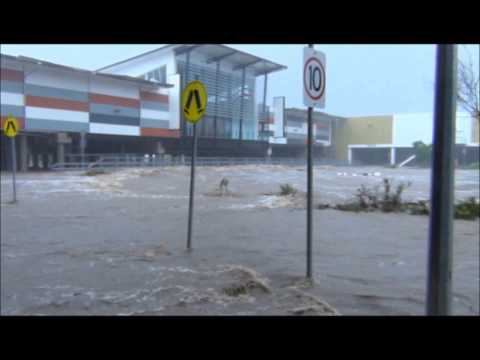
[362, 79]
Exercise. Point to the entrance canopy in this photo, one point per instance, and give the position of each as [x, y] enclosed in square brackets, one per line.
[240, 59]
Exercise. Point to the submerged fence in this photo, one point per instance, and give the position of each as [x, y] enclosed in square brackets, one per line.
[104, 161]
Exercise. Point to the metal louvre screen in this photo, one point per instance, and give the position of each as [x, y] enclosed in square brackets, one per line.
[228, 88]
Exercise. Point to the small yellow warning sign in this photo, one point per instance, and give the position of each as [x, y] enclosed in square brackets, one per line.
[11, 126]
[194, 101]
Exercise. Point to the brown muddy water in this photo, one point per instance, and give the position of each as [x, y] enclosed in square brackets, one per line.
[115, 244]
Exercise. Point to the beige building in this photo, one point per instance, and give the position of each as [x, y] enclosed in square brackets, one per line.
[388, 139]
[372, 132]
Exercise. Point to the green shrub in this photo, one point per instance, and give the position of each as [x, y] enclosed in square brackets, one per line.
[418, 208]
[95, 172]
[371, 199]
[350, 206]
[287, 189]
[467, 209]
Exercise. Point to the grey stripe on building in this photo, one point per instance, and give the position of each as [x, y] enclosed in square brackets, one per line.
[55, 125]
[294, 123]
[154, 105]
[14, 110]
[296, 136]
[11, 86]
[114, 110]
[152, 123]
[51, 92]
[114, 120]
[296, 141]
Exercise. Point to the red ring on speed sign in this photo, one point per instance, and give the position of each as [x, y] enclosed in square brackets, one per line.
[322, 69]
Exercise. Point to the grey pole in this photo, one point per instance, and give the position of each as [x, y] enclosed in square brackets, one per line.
[216, 100]
[192, 188]
[265, 116]
[241, 104]
[441, 218]
[186, 76]
[309, 190]
[192, 185]
[14, 168]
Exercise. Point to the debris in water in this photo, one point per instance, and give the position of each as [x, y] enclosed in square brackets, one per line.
[246, 281]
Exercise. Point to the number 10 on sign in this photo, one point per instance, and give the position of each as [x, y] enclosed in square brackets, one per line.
[314, 78]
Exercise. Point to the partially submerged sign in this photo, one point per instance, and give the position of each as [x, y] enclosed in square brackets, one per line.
[314, 78]
[194, 101]
[11, 127]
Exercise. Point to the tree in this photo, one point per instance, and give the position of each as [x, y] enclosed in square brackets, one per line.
[423, 153]
[468, 87]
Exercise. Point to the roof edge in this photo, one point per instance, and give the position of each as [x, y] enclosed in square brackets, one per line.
[34, 61]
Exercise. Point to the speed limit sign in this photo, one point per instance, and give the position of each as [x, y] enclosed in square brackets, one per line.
[314, 78]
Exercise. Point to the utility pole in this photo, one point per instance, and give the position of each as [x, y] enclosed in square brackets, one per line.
[439, 285]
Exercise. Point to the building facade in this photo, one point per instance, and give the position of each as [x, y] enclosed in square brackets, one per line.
[230, 78]
[389, 139]
[132, 106]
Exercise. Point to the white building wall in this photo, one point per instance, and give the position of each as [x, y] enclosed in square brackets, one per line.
[278, 115]
[174, 101]
[55, 78]
[114, 88]
[145, 64]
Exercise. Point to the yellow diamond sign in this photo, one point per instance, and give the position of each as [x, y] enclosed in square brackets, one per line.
[11, 127]
[194, 101]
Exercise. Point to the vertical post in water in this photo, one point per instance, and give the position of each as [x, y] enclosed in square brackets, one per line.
[14, 168]
[309, 190]
[441, 218]
[192, 185]
[82, 148]
[264, 110]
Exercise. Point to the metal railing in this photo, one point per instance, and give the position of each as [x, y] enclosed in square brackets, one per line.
[115, 161]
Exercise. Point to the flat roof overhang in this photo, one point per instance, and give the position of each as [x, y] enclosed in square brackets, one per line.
[240, 59]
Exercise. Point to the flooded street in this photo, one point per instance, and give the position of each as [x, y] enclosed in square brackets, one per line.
[115, 244]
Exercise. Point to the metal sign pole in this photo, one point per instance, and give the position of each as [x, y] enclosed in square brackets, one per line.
[441, 218]
[192, 185]
[309, 190]
[14, 168]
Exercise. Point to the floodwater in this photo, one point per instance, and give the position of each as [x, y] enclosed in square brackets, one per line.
[115, 244]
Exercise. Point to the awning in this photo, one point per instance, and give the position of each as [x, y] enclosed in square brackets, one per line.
[240, 59]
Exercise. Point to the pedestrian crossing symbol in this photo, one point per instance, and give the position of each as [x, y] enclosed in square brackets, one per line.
[10, 127]
[194, 101]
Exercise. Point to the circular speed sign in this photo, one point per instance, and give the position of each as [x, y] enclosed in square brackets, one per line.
[314, 78]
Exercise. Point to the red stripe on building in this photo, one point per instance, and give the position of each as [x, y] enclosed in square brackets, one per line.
[114, 100]
[147, 96]
[56, 103]
[160, 132]
[11, 75]
[322, 125]
[21, 122]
